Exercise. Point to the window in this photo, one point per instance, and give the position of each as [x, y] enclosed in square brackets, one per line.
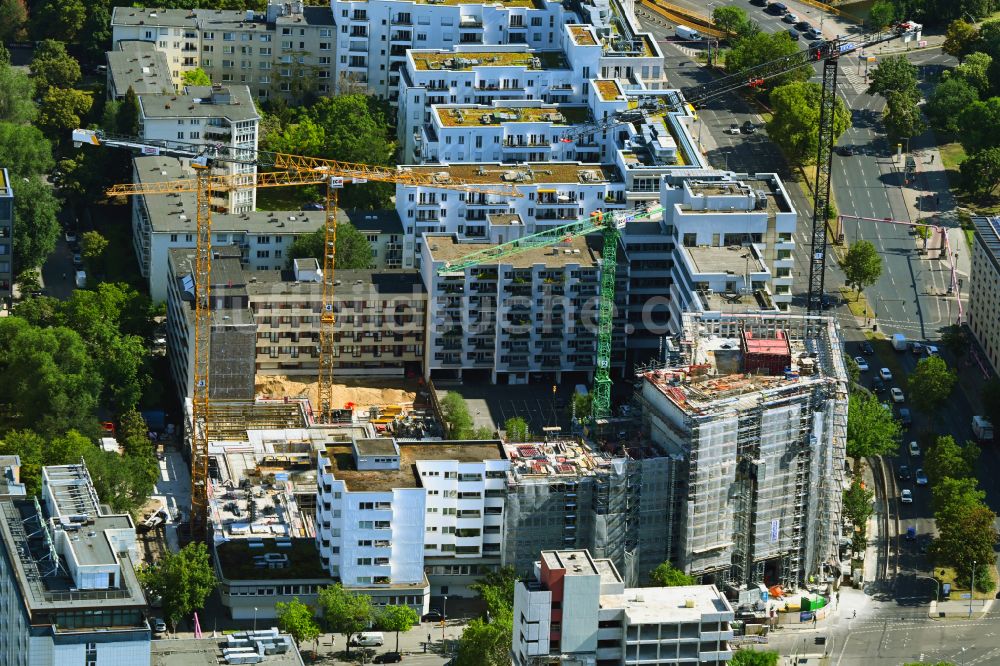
[324, 46]
[265, 50]
[173, 238]
[326, 32]
[91, 656]
[180, 135]
[263, 254]
[365, 524]
[265, 37]
[364, 561]
[229, 36]
[366, 506]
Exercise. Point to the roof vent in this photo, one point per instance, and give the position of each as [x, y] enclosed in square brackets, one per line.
[291, 218]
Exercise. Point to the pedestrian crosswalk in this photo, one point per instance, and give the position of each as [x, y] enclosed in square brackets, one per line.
[852, 77]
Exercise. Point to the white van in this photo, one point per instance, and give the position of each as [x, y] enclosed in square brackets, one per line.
[685, 32]
[368, 639]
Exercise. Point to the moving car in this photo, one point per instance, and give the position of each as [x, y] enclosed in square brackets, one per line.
[904, 417]
[432, 616]
[931, 350]
[897, 394]
[885, 374]
[70, 236]
[793, 34]
[388, 658]
[78, 260]
[803, 26]
[759, 3]
[903, 472]
[790, 18]
[777, 8]
[867, 349]
[916, 349]
[748, 128]
[813, 33]
[845, 151]
[906, 496]
[734, 128]
[914, 449]
[878, 385]
[921, 477]
[862, 363]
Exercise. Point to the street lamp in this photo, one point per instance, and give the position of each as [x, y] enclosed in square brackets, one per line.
[972, 591]
[444, 615]
[255, 619]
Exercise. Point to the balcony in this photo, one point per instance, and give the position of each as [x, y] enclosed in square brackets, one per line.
[471, 22]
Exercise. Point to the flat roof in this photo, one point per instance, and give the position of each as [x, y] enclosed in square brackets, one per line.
[576, 250]
[232, 102]
[579, 562]
[384, 221]
[583, 35]
[465, 60]
[482, 115]
[208, 652]
[350, 283]
[377, 446]
[214, 18]
[653, 605]
[732, 259]
[988, 235]
[504, 219]
[236, 559]
[139, 65]
[341, 458]
[226, 272]
[525, 173]
[608, 89]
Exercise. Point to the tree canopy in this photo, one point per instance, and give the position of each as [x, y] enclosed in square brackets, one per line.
[872, 430]
[881, 15]
[902, 116]
[352, 249]
[947, 102]
[53, 67]
[61, 110]
[13, 17]
[734, 21]
[24, 150]
[516, 429]
[486, 642]
[345, 613]
[959, 38]
[794, 124]
[862, 265]
[931, 383]
[974, 70]
[296, 619]
[183, 580]
[37, 228]
[396, 619]
[196, 77]
[666, 575]
[456, 415]
[980, 172]
[748, 657]
[947, 459]
[980, 125]
[760, 47]
[894, 74]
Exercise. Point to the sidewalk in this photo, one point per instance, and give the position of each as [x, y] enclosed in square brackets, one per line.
[960, 608]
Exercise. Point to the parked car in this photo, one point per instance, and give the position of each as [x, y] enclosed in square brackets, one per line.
[777, 8]
[878, 385]
[921, 477]
[906, 496]
[903, 472]
[388, 658]
[368, 639]
[862, 363]
[866, 348]
[432, 616]
[803, 26]
[931, 350]
[748, 128]
[813, 33]
[78, 260]
[904, 417]
[70, 236]
[793, 34]
[734, 128]
[914, 449]
[159, 626]
[916, 349]
[759, 3]
[885, 374]
[897, 394]
[790, 18]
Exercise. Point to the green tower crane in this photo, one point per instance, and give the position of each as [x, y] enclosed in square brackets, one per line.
[607, 223]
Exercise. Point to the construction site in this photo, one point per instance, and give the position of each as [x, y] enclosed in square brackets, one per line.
[755, 413]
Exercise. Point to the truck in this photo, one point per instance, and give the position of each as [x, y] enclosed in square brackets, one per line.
[81, 279]
[982, 428]
[899, 342]
[685, 32]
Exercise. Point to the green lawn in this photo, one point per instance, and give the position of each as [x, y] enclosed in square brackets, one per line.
[952, 155]
[286, 198]
[947, 575]
[858, 306]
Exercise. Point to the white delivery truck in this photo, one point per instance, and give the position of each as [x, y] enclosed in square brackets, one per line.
[81, 279]
[899, 342]
[982, 428]
[685, 32]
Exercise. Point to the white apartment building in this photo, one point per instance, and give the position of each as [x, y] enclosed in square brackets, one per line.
[373, 37]
[984, 287]
[84, 607]
[386, 509]
[533, 314]
[578, 610]
[207, 115]
[554, 193]
[286, 51]
[161, 222]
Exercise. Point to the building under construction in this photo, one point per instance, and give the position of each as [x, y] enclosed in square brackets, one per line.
[756, 416]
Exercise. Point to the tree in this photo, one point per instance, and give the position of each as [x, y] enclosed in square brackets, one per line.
[516, 429]
[760, 47]
[950, 497]
[853, 369]
[731, 20]
[969, 537]
[947, 102]
[581, 405]
[871, 428]
[456, 416]
[196, 77]
[901, 116]
[183, 580]
[858, 504]
[666, 575]
[747, 657]
[397, 619]
[862, 265]
[485, 643]
[297, 619]
[128, 114]
[24, 150]
[95, 37]
[946, 459]
[351, 251]
[931, 383]
[29, 446]
[53, 67]
[13, 17]
[17, 91]
[794, 125]
[979, 125]
[345, 613]
[975, 70]
[37, 228]
[61, 109]
[123, 482]
[496, 588]
[981, 172]
[93, 244]
[881, 15]
[894, 74]
[28, 281]
[959, 38]
[58, 19]
[133, 433]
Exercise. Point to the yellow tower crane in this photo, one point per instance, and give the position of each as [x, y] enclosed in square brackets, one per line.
[288, 170]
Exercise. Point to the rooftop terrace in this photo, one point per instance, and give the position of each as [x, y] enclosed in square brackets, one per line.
[481, 116]
[583, 35]
[466, 60]
[521, 174]
[734, 260]
[608, 89]
[576, 250]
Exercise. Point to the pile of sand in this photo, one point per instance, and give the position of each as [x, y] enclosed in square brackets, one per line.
[363, 394]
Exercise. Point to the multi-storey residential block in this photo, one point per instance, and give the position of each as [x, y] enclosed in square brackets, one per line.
[207, 115]
[532, 313]
[287, 51]
[554, 193]
[756, 413]
[6, 239]
[577, 609]
[984, 287]
[140, 66]
[384, 233]
[68, 588]
[373, 37]
[268, 322]
[384, 508]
